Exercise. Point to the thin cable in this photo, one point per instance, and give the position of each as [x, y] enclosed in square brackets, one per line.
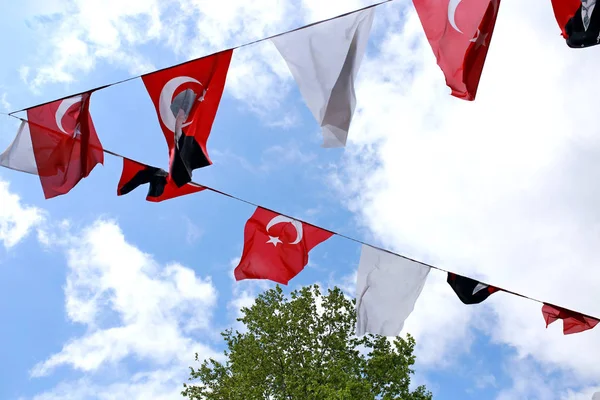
[112, 153]
[251, 203]
[209, 55]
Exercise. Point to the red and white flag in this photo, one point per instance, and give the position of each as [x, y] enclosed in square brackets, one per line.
[459, 32]
[564, 10]
[59, 144]
[276, 247]
[573, 322]
[579, 22]
[186, 98]
[161, 187]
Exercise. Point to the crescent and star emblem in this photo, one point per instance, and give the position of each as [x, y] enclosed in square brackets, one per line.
[280, 219]
[479, 38]
[452, 5]
[63, 107]
[166, 98]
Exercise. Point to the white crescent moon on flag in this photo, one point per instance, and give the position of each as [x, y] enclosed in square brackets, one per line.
[452, 5]
[63, 108]
[281, 219]
[479, 287]
[166, 97]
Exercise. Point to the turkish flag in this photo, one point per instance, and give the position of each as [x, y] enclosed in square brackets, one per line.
[186, 98]
[276, 247]
[573, 322]
[460, 33]
[64, 142]
[161, 186]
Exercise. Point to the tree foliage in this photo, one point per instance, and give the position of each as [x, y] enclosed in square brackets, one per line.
[305, 348]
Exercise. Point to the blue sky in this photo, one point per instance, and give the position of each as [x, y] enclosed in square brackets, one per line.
[108, 297]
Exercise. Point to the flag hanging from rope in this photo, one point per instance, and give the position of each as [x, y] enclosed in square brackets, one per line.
[460, 33]
[276, 247]
[186, 98]
[468, 290]
[387, 289]
[58, 143]
[573, 322]
[161, 186]
[579, 24]
[324, 60]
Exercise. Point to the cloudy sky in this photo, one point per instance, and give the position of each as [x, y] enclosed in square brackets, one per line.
[107, 297]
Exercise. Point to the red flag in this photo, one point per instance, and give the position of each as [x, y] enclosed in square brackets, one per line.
[186, 98]
[564, 10]
[161, 187]
[64, 141]
[276, 247]
[573, 322]
[579, 22]
[459, 33]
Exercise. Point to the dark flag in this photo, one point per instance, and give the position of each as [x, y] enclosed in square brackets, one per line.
[161, 187]
[579, 23]
[573, 322]
[468, 290]
[186, 98]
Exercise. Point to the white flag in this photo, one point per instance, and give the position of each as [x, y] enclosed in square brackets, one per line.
[19, 155]
[387, 289]
[324, 59]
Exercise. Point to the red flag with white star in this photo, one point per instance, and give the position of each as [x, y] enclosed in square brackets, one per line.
[459, 32]
[276, 247]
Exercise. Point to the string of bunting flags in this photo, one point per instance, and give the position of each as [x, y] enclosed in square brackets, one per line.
[57, 141]
[277, 247]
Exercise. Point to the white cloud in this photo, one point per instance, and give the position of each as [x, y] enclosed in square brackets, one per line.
[193, 231]
[592, 393]
[16, 219]
[504, 189]
[162, 384]
[4, 102]
[484, 381]
[88, 32]
[130, 305]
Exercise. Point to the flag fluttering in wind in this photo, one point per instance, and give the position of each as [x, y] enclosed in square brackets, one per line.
[161, 186]
[276, 247]
[58, 143]
[573, 322]
[468, 290]
[387, 289]
[186, 98]
[324, 60]
[460, 33]
[579, 23]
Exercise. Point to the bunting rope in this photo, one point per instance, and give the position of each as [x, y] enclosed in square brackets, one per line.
[198, 58]
[251, 203]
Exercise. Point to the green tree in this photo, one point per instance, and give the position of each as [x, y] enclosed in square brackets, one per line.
[305, 348]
